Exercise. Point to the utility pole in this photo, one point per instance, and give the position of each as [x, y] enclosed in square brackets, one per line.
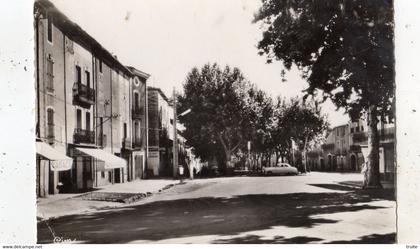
[175, 144]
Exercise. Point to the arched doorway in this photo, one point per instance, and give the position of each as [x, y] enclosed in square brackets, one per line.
[322, 164]
[353, 162]
[335, 163]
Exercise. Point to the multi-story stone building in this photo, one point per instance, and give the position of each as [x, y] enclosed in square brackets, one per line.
[84, 102]
[359, 147]
[345, 149]
[138, 154]
[160, 113]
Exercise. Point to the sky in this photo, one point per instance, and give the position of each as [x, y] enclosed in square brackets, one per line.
[167, 38]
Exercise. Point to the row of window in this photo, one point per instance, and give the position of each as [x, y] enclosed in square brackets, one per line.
[78, 73]
[49, 73]
[50, 124]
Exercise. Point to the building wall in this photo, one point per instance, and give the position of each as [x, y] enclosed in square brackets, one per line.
[160, 116]
[77, 56]
[153, 112]
[139, 86]
[138, 158]
[346, 147]
[50, 99]
[113, 93]
[103, 107]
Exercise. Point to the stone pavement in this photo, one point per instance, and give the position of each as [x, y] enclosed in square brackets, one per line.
[68, 204]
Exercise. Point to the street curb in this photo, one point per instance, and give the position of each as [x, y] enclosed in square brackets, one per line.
[128, 201]
[354, 186]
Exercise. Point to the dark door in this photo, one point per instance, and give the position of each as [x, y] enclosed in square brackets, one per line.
[87, 172]
[329, 162]
[335, 163]
[139, 167]
[117, 175]
[353, 162]
[50, 179]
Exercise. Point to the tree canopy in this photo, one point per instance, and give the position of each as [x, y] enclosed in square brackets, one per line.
[220, 118]
[345, 51]
[344, 48]
[227, 111]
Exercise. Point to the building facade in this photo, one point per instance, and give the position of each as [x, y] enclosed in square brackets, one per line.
[139, 125]
[345, 149]
[160, 114]
[84, 108]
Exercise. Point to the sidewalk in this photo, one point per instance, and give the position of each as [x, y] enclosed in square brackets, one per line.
[358, 184]
[67, 204]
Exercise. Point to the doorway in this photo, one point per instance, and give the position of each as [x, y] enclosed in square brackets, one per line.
[138, 167]
[353, 163]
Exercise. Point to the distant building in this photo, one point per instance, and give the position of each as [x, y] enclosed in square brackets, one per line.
[139, 116]
[160, 114]
[345, 149]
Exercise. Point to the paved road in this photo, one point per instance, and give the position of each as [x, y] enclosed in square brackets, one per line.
[312, 208]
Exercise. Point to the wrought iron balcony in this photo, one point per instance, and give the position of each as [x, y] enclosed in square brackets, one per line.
[83, 136]
[387, 134]
[360, 137]
[83, 95]
[137, 113]
[355, 148]
[328, 147]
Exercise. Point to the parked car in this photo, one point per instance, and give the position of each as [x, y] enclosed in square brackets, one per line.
[280, 169]
[241, 171]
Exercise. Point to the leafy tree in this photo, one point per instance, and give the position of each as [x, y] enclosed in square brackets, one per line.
[304, 123]
[219, 122]
[344, 49]
[261, 113]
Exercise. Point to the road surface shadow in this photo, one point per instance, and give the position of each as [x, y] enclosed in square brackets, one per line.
[256, 239]
[388, 238]
[209, 216]
[333, 187]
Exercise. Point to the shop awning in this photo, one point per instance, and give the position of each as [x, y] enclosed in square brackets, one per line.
[58, 160]
[110, 161]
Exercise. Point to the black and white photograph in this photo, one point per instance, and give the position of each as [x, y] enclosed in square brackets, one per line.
[215, 122]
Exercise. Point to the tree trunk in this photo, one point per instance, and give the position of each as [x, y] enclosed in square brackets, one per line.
[304, 155]
[371, 171]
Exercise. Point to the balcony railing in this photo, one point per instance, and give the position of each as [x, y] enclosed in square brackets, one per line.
[102, 140]
[360, 137]
[387, 133]
[384, 135]
[355, 148]
[83, 136]
[83, 95]
[137, 113]
[328, 147]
